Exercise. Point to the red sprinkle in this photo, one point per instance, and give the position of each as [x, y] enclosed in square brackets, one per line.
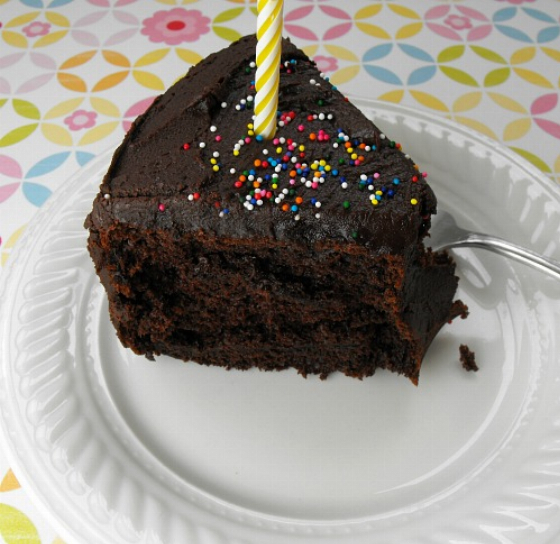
[161, 207]
[186, 146]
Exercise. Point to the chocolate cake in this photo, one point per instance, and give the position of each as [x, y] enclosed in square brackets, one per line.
[305, 251]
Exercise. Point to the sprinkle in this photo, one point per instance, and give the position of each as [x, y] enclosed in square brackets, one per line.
[161, 207]
[106, 196]
[213, 128]
[346, 204]
[186, 147]
[202, 145]
[413, 201]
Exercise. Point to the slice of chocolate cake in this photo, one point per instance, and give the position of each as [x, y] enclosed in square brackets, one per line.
[304, 251]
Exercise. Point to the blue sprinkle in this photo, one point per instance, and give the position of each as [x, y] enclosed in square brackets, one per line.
[253, 200]
[390, 193]
[378, 197]
[396, 181]
[313, 201]
[342, 179]
[334, 173]
[252, 172]
[259, 138]
[294, 208]
[225, 210]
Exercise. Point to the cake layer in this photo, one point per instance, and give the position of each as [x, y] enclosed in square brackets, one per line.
[273, 305]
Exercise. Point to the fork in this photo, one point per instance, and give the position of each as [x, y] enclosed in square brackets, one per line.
[446, 234]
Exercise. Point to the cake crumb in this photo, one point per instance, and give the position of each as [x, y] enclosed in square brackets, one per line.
[467, 358]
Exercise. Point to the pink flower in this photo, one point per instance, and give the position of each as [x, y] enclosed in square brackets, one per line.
[458, 22]
[326, 64]
[175, 26]
[516, 1]
[81, 119]
[36, 28]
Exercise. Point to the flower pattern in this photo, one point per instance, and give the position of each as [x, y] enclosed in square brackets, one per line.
[36, 29]
[326, 64]
[458, 22]
[176, 26]
[81, 119]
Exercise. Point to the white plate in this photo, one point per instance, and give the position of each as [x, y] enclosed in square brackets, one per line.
[118, 449]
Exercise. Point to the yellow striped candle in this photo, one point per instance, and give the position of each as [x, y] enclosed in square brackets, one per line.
[267, 80]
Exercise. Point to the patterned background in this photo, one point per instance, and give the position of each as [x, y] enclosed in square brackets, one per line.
[75, 73]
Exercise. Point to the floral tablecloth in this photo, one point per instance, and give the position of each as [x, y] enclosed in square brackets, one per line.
[74, 74]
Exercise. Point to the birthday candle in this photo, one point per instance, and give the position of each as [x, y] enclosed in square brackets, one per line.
[269, 49]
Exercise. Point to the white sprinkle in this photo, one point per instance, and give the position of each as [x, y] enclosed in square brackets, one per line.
[322, 116]
[222, 214]
[213, 128]
[277, 200]
[224, 104]
[251, 177]
[367, 148]
[232, 170]
[249, 98]
[344, 185]
[252, 64]
[330, 116]
[190, 197]
[312, 81]
[282, 140]
[216, 154]
[363, 177]
[238, 107]
[297, 217]
[106, 196]
[317, 204]
[265, 151]
[335, 145]
[202, 145]
[285, 191]
[259, 202]
[243, 101]
[318, 215]
[281, 123]
[370, 187]
[382, 136]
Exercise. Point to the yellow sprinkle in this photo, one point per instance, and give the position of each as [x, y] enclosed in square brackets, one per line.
[274, 186]
[213, 161]
[278, 150]
[236, 152]
[250, 133]
[375, 202]
[215, 168]
[350, 150]
[322, 162]
[379, 193]
[250, 126]
[301, 147]
[354, 156]
[327, 168]
[314, 166]
[414, 201]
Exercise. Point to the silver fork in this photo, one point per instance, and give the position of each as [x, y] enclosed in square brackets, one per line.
[446, 234]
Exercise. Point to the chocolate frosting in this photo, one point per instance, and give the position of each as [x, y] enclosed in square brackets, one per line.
[188, 163]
